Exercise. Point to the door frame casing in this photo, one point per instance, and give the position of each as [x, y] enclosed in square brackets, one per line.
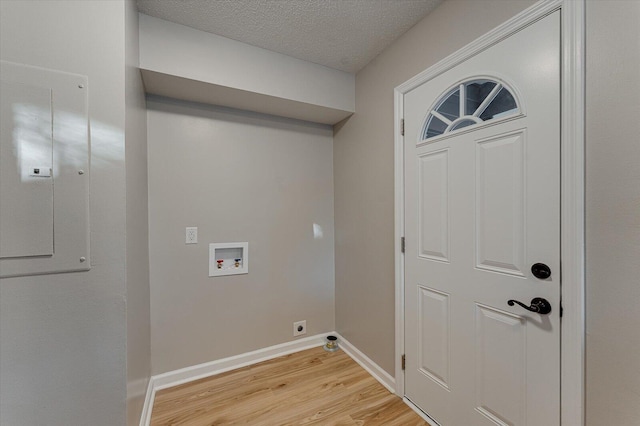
[572, 189]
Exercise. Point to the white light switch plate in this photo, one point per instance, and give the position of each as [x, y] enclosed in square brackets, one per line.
[191, 235]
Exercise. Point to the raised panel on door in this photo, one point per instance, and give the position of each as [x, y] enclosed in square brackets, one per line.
[500, 366]
[433, 335]
[433, 206]
[500, 203]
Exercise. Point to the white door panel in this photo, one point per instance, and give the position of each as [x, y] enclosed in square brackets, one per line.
[433, 193]
[500, 203]
[482, 206]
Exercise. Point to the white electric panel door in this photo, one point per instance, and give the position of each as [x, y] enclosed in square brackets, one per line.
[26, 182]
[44, 171]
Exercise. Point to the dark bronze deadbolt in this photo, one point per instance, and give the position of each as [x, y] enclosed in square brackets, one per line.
[541, 271]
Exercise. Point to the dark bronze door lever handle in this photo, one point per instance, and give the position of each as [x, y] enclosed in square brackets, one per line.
[538, 305]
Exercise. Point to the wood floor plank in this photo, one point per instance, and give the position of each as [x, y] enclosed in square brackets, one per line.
[312, 387]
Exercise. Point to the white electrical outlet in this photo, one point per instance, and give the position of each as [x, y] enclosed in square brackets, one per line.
[299, 328]
[191, 235]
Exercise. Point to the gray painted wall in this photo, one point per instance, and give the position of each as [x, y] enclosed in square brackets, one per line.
[237, 176]
[63, 336]
[363, 171]
[137, 260]
[613, 213]
[62, 353]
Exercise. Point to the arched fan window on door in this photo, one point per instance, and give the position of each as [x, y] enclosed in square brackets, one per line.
[470, 103]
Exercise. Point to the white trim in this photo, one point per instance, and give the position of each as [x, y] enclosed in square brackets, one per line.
[145, 417]
[572, 225]
[399, 233]
[200, 371]
[501, 32]
[572, 190]
[188, 374]
[365, 362]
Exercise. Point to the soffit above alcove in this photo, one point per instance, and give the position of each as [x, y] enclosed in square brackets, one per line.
[341, 34]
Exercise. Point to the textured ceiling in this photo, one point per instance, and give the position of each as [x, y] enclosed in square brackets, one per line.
[341, 34]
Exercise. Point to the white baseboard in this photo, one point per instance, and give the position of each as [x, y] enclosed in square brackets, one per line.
[365, 362]
[200, 371]
[145, 417]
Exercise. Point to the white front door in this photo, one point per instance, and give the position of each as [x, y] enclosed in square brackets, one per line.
[482, 206]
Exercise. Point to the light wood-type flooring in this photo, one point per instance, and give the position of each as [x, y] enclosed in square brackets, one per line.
[312, 387]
